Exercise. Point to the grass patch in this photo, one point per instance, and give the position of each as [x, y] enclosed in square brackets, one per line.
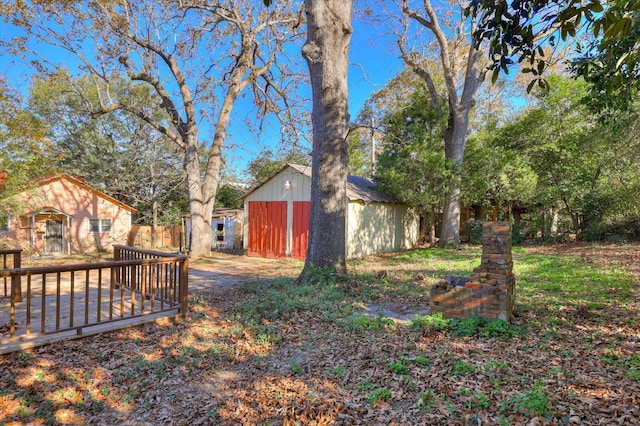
[533, 402]
[279, 298]
[435, 321]
[398, 367]
[461, 368]
[559, 281]
[380, 394]
[366, 322]
[474, 326]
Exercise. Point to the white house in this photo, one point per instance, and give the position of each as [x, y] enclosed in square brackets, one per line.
[277, 217]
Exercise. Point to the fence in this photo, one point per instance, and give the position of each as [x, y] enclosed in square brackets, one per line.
[166, 236]
[61, 300]
[14, 282]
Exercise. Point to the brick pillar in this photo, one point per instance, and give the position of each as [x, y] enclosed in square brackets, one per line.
[491, 290]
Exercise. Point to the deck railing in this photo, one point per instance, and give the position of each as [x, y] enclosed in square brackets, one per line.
[11, 286]
[65, 298]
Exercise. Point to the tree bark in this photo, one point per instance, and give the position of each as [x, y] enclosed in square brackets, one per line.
[200, 202]
[455, 138]
[460, 105]
[154, 223]
[327, 54]
[432, 227]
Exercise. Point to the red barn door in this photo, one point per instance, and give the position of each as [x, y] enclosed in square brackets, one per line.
[267, 228]
[301, 210]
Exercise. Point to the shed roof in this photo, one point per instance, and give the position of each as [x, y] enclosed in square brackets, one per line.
[358, 188]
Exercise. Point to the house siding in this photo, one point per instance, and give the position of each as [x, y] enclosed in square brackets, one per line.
[80, 203]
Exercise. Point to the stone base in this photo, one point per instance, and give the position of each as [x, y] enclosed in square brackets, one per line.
[473, 300]
[491, 292]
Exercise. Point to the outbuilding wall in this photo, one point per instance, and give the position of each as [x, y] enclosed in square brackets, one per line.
[371, 228]
[275, 190]
[380, 227]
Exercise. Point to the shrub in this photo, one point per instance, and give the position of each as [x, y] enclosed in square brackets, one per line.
[467, 326]
[461, 368]
[380, 394]
[534, 402]
[473, 228]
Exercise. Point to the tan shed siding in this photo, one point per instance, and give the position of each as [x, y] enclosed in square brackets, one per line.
[274, 190]
[377, 228]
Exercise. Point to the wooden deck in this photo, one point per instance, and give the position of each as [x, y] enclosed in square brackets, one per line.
[67, 301]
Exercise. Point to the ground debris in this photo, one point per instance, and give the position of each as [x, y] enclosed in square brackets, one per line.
[575, 364]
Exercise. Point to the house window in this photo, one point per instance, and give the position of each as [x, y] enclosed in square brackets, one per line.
[99, 225]
[4, 223]
[220, 232]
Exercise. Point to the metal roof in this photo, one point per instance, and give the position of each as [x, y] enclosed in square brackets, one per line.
[358, 188]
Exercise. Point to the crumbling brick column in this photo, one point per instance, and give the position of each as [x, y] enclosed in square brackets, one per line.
[490, 292]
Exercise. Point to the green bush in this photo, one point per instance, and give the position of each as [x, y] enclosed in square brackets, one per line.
[467, 326]
[517, 233]
[534, 402]
[498, 328]
[473, 228]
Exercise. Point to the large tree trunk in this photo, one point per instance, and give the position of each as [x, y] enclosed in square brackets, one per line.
[455, 141]
[326, 51]
[200, 203]
[154, 223]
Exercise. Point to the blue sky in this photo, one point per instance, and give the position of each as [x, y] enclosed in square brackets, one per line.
[373, 64]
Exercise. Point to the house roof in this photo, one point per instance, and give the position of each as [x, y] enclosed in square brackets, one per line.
[47, 210]
[358, 188]
[78, 182]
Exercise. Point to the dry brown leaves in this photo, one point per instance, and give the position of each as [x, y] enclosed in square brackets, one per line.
[212, 370]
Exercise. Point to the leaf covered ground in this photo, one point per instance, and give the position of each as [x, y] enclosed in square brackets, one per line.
[272, 353]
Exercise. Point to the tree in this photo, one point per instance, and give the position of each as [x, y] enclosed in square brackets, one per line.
[24, 148]
[326, 52]
[267, 163]
[412, 163]
[118, 152]
[230, 196]
[582, 164]
[519, 31]
[460, 66]
[497, 177]
[368, 129]
[197, 57]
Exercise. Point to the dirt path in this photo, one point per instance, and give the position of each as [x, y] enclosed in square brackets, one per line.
[222, 271]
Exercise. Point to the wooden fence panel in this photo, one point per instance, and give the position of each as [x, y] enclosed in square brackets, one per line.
[142, 236]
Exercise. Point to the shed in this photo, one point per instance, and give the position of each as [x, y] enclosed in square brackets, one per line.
[227, 226]
[277, 217]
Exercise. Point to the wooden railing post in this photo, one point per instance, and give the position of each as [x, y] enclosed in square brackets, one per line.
[117, 255]
[184, 287]
[16, 281]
